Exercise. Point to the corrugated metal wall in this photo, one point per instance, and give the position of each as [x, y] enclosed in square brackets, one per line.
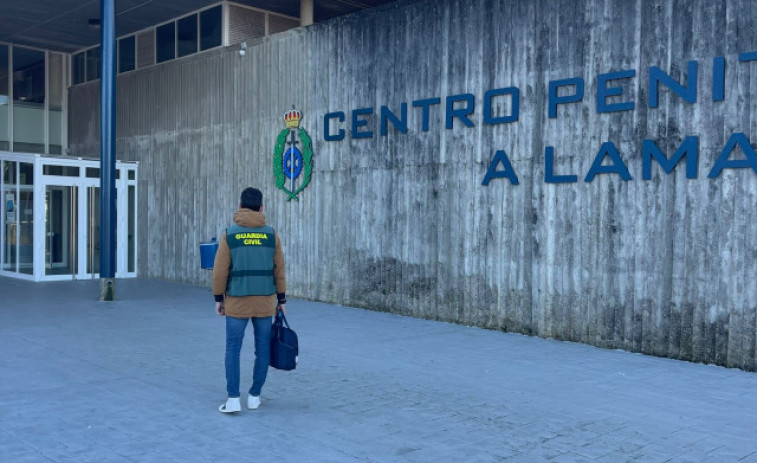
[146, 48]
[245, 23]
[402, 223]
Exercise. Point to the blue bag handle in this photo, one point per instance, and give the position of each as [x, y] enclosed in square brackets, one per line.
[281, 318]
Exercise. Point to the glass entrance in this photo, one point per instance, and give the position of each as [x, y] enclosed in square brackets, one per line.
[50, 217]
[61, 229]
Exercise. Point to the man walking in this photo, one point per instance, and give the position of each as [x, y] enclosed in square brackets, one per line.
[248, 284]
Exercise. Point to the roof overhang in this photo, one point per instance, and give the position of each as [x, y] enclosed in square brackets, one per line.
[70, 25]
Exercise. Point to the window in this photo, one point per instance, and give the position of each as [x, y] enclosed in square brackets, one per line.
[126, 54]
[4, 135]
[78, 63]
[210, 28]
[56, 90]
[165, 42]
[182, 37]
[62, 171]
[187, 33]
[28, 75]
[93, 64]
[28, 100]
[94, 172]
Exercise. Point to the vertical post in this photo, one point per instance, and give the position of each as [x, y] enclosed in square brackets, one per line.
[107, 150]
[291, 158]
[306, 12]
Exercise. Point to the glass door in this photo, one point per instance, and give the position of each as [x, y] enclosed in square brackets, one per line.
[17, 217]
[10, 223]
[93, 230]
[50, 218]
[61, 229]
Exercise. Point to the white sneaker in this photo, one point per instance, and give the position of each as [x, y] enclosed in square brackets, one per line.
[232, 405]
[253, 402]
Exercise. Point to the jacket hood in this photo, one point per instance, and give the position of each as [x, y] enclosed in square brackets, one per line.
[249, 218]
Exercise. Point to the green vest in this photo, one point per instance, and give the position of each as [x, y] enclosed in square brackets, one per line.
[252, 251]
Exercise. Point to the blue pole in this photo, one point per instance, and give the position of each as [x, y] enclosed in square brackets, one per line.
[108, 149]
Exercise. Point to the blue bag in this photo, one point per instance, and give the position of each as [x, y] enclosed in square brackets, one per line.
[284, 348]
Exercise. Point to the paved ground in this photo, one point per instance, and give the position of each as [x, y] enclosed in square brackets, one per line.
[140, 380]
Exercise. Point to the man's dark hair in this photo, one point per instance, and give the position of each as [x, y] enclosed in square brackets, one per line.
[251, 198]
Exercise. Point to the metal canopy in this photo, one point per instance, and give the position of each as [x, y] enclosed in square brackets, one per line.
[63, 25]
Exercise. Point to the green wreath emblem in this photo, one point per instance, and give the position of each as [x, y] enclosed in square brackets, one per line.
[278, 158]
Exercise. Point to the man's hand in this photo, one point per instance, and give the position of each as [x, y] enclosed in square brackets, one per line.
[282, 307]
[220, 309]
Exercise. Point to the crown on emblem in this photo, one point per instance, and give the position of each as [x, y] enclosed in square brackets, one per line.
[292, 118]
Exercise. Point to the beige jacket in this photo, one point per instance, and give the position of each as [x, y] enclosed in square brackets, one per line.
[247, 306]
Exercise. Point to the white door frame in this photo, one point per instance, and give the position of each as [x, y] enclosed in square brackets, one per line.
[82, 182]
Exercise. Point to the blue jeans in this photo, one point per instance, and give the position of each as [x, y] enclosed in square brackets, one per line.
[234, 335]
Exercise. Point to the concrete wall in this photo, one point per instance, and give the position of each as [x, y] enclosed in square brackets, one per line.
[402, 222]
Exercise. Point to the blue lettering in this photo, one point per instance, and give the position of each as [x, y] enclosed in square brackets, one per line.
[689, 148]
[327, 128]
[514, 105]
[723, 162]
[425, 104]
[718, 78]
[460, 113]
[748, 56]
[357, 123]
[492, 172]
[603, 92]
[617, 166]
[657, 76]
[399, 124]
[554, 100]
[549, 175]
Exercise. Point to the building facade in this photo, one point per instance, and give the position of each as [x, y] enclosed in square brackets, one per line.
[583, 171]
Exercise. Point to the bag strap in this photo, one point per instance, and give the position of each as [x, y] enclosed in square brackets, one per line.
[280, 316]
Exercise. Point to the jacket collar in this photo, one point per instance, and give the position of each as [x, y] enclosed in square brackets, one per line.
[249, 218]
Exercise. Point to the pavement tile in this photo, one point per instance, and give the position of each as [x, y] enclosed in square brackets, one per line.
[728, 453]
[620, 456]
[131, 449]
[152, 456]
[566, 443]
[528, 457]
[503, 452]
[17, 448]
[94, 454]
[27, 457]
[140, 380]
